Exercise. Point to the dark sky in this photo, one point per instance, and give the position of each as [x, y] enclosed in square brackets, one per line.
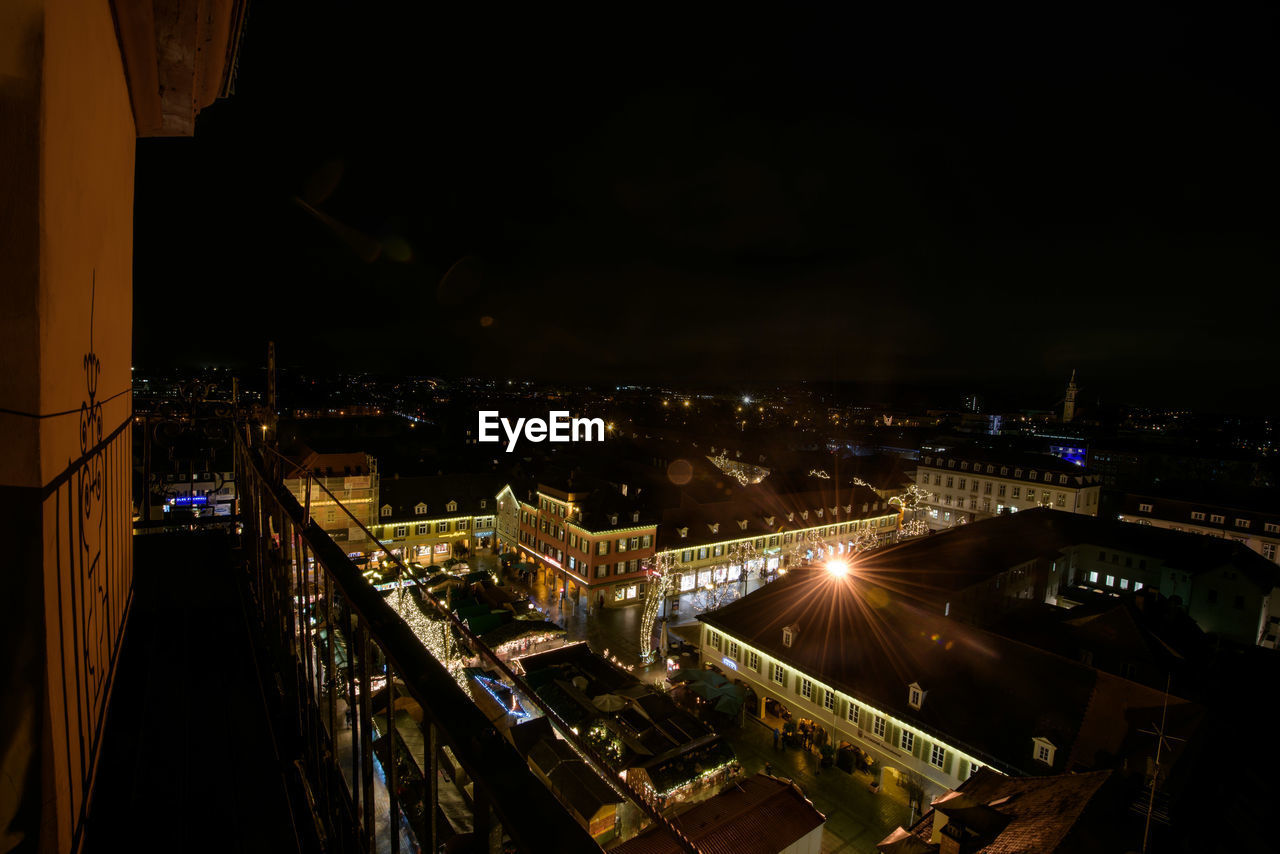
[948, 201]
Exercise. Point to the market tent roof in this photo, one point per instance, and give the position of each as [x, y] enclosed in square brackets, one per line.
[518, 629]
[526, 736]
[609, 702]
[580, 788]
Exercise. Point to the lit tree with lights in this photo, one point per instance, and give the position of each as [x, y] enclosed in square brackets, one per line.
[436, 634]
[911, 503]
[662, 570]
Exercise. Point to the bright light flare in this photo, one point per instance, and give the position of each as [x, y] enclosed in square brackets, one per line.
[837, 568]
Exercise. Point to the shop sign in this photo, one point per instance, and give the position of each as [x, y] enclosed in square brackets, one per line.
[729, 663]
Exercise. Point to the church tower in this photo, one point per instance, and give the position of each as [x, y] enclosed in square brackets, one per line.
[1069, 405]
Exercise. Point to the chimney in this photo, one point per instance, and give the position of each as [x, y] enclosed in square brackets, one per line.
[955, 838]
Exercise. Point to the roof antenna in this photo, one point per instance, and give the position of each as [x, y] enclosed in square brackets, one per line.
[1158, 732]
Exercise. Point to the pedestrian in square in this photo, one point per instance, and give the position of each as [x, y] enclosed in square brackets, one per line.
[776, 736]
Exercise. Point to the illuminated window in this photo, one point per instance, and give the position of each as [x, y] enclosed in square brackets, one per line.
[878, 726]
[1061, 499]
[1197, 516]
[779, 675]
[938, 756]
[441, 527]
[733, 650]
[1216, 518]
[907, 740]
[852, 714]
[753, 661]
[400, 531]
[1243, 523]
[829, 701]
[1144, 508]
[806, 689]
[1016, 491]
[421, 528]
[1031, 495]
[915, 696]
[1093, 578]
[1111, 581]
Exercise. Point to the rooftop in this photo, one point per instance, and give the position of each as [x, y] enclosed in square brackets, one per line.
[1008, 815]
[986, 695]
[760, 813]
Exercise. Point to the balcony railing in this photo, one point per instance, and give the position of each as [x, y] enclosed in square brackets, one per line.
[335, 642]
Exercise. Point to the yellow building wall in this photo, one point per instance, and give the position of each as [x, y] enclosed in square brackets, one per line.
[67, 143]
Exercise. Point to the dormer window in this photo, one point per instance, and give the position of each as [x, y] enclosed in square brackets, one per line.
[865, 507]
[915, 695]
[452, 507]
[835, 511]
[420, 509]
[386, 511]
[804, 514]
[483, 502]
[788, 635]
[768, 520]
[742, 524]
[819, 512]
[714, 526]
[635, 517]
[791, 517]
[1042, 750]
[848, 508]
[613, 518]
[683, 532]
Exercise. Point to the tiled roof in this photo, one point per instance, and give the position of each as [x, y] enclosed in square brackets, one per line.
[336, 465]
[1019, 465]
[968, 554]
[1034, 815]
[404, 494]
[760, 813]
[1257, 507]
[759, 510]
[984, 694]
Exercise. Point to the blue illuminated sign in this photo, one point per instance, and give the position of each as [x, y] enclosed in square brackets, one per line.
[729, 663]
[184, 500]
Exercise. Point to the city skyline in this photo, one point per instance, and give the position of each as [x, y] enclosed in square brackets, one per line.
[787, 201]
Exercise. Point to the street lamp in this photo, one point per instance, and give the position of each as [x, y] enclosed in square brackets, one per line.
[838, 568]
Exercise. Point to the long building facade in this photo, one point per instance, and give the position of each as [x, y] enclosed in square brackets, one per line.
[966, 485]
[930, 699]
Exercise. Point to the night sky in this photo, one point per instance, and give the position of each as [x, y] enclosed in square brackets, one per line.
[950, 202]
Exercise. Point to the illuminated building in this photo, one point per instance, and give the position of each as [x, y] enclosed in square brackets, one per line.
[595, 541]
[350, 480]
[706, 543]
[431, 519]
[965, 485]
[930, 699]
[1247, 516]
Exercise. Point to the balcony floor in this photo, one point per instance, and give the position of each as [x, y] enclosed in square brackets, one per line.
[188, 762]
